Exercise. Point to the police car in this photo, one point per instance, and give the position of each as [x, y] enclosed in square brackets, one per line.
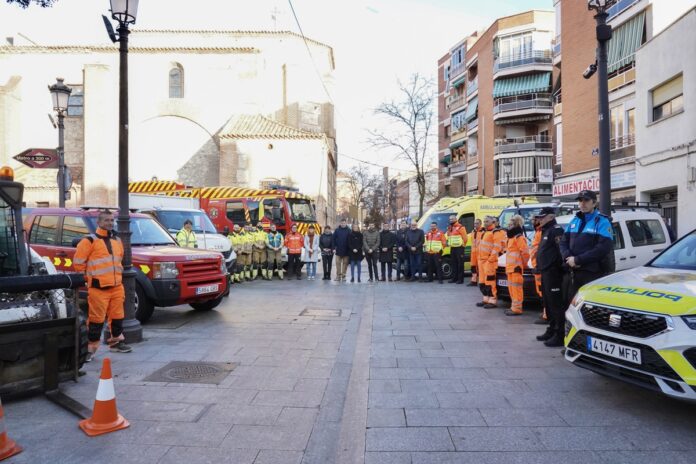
[639, 325]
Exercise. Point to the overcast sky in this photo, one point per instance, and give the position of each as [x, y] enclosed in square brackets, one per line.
[375, 42]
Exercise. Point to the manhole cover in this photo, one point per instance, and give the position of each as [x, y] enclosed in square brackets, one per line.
[318, 312]
[191, 372]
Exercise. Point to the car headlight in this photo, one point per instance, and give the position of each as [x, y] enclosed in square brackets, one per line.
[165, 270]
[690, 321]
[578, 300]
[223, 266]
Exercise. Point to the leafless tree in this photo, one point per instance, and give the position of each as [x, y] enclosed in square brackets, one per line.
[362, 184]
[410, 127]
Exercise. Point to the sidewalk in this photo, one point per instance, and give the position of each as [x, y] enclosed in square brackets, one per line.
[406, 373]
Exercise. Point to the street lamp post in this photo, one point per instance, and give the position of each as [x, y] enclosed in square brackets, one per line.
[604, 33]
[507, 170]
[60, 93]
[124, 12]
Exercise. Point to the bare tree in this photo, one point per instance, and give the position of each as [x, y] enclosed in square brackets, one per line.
[25, 3]
[361, 185]
[409, 132]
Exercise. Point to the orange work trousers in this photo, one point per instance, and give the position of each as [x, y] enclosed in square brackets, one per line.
[487, 272]
[515, 282]
[106, 304]
[537, 282]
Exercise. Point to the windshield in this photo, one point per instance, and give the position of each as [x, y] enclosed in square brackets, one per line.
[681, 255]
[528, 215]
[442, 220]
[8, 240]
[146, 231]
[174, 221]
[302, 210]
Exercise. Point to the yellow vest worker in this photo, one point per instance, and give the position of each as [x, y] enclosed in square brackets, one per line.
[456, 240]
[186, 237]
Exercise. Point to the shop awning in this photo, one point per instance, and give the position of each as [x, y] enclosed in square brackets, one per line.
[446, 160]
[532, 83]
[544, 162]
[471, 109]
[541, 117]
[459, 81]
[457, 144]
[626, 39]
[523, 169]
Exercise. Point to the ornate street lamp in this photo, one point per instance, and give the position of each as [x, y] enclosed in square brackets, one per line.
[604, 34]
[124, 12]
[60, 93]
[507, 171]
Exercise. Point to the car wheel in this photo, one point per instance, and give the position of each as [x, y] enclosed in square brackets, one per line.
[446, 268]
[143, 306]
[207, 305]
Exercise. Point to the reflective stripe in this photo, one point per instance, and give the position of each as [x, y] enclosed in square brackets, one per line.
[105, 391]
[79, 261]
[513, 284]
[105, 270]
[94, 262]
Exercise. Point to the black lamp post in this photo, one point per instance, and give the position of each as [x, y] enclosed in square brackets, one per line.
[604, 33]
[60, 93]
[124, 12]
[507, 170]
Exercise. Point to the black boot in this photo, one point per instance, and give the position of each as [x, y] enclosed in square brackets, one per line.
[546, 335]
[555, 340]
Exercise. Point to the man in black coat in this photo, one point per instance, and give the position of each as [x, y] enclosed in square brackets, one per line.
[327, 246]
[415, 238]
[341, 249]
[402, 253]
[387, 243]
[550, 265]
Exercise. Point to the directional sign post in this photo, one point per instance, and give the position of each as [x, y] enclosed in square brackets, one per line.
[39, 158]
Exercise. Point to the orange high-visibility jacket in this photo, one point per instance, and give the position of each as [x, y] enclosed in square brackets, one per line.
[99, 257]
[294, 241]
[475, 242]
[456, 235]
[434, 242]
[517, 253]
[492, 245]
[535, 247]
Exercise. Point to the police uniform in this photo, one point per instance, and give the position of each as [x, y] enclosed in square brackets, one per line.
[549, 263]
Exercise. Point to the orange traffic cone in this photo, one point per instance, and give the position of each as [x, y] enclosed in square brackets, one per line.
[105, 418]
[8, 447]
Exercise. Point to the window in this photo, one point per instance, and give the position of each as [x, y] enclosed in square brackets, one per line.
[253, 207]
[74, 228]
[559, 144]
[668, 99]
[467, 220]
[273, 211]
[645, 232]
[680, 256]
[176, 81]
[76, 102]
[446, 74]
[458, 122]
[235, 212]
[43, 232]
[616, 127]
[617, 236]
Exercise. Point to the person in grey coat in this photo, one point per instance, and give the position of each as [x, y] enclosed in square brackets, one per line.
[387, 244]
[371, 249]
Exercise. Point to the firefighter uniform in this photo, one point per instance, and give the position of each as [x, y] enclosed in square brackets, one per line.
[456, 240]
[533, 257]
[274, 246]
[187, 239]
[246, 248]
[435, 242]
[259, 253]
[475, 237]
[515, 261]
[235, 239]
[99, 257]
[492, 244]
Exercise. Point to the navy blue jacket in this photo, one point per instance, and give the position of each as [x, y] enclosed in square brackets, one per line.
[588, 238]
[415, 239]
[341, 240]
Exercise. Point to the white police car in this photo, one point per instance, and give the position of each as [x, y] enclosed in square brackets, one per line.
[639, 325]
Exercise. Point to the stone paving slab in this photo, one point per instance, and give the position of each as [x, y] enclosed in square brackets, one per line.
[413, 382]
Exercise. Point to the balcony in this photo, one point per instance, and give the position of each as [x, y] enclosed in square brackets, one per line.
[523, 104]
[457, 70]
[471, 87]
[472, 158]
[514, 190]
[618, 7]
[472, 125]
[557, 105]
[522, 144]
[458, 168]
[622, 148]
[556, 47]
[528, 58]
[622, 142]
[622, 79]
[455, 102]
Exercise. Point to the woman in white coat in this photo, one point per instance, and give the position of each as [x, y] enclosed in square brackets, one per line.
[311, 252]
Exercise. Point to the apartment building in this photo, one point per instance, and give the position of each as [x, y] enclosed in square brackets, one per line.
[576, 161]
[497, 99]
[665, 128]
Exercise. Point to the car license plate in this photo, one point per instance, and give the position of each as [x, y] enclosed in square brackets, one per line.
[614, 350]
[502, 283]
[207, 289]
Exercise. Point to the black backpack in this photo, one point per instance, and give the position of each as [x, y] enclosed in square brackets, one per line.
[607, 264]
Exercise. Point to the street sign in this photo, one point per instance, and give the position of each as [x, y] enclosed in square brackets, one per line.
[40, 158]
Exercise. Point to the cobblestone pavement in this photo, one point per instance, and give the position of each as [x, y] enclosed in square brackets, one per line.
[406, 373]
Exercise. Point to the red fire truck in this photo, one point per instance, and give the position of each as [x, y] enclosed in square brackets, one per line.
[227, 206]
